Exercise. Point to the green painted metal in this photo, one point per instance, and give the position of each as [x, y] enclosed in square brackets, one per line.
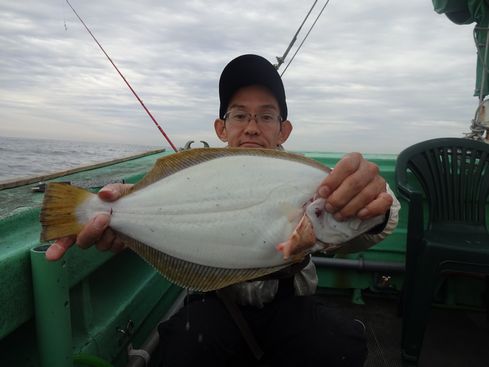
[18, 236]
[467, 12]
[52, 310]
[90, 361]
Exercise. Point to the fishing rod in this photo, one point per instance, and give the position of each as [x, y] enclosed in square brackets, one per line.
[123, 78]
[304, 40]
[281, 59]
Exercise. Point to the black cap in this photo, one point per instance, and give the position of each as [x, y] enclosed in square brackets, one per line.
[248, 70]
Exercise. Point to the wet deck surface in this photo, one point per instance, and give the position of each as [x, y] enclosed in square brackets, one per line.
[454, 338]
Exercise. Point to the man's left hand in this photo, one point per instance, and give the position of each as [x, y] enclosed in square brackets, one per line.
[354, 188]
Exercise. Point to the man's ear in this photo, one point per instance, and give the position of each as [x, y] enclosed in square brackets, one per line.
[285, 131]
[220, 128]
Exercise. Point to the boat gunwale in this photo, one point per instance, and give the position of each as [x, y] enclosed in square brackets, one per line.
[9, 184]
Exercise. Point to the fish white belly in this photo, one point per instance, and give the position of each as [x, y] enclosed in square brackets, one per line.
[213, 214]
[209, 218]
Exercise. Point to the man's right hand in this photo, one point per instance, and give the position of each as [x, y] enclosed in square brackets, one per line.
[96, 231]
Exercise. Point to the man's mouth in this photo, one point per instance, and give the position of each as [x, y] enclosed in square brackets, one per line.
[251, 144]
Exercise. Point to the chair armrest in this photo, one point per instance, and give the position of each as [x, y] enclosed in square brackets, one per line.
[415, 215]
[415, 225]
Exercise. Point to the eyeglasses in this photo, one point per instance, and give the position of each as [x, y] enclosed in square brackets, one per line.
[242, 118]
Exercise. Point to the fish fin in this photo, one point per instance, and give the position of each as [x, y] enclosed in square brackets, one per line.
[173, 163]
[58, 213]
[194, 276]
[300, 241]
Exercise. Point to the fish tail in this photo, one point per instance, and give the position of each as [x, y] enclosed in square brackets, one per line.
[58, 213]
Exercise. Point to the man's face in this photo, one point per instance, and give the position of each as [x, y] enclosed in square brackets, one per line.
[254, 100]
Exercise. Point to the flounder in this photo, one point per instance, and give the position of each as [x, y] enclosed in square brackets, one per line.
[211, 217]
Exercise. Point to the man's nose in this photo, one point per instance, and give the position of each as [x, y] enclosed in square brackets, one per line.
[252, 127]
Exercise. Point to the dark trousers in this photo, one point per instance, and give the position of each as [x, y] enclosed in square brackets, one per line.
[291, 330]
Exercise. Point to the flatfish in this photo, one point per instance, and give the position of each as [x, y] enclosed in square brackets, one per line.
[211, 217]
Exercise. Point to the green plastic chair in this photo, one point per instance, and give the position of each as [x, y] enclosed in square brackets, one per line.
[452, 174]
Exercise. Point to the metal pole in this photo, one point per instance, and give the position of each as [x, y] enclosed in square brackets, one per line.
[52, 310]
[359, 264]
[136, 359]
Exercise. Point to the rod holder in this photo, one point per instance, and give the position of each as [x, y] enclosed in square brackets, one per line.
[52, 309]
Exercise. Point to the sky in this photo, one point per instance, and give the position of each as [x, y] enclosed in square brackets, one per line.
[373, 76]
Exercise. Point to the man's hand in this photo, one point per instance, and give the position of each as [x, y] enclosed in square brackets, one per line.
[96, 231]
[355, 189]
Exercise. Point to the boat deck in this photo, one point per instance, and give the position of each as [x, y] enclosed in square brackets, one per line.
[454, 337]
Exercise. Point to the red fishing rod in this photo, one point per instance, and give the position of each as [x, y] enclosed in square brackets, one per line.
[122, 76]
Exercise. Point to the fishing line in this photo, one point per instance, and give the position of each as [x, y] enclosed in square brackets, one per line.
[122, 76]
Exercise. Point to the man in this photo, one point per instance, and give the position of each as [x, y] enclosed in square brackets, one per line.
[276, 319]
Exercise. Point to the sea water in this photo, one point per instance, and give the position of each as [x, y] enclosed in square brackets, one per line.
[21, 157]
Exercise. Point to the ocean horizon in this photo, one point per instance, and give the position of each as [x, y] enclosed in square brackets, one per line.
[28, 157]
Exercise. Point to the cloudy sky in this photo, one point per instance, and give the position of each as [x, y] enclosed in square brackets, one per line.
[373, 76]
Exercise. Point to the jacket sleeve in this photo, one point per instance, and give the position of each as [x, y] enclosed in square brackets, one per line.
[366, 240]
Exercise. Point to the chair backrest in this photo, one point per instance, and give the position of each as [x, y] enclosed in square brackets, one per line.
[454, 175]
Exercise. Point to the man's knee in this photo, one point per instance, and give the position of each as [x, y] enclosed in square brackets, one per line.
[344, 342]
[201, 331]
[332, 338]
